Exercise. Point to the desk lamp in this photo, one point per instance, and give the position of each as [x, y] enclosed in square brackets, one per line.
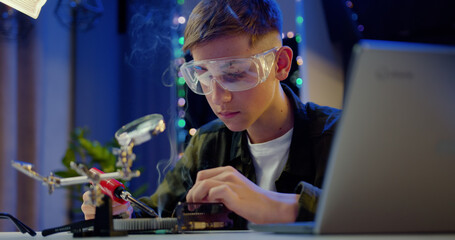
[31, 8]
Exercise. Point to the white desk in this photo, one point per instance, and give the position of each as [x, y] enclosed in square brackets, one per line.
[236, 235]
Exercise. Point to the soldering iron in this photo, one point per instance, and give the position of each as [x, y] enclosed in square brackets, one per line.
[116, 191]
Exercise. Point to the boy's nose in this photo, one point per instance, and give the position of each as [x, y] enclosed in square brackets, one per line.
[220, 95]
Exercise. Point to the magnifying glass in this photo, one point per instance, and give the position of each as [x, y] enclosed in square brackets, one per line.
[140, 130]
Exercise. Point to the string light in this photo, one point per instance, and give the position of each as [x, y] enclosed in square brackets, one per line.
[290, 34]
[181, 113]
[181, 20]
[181, 102]
[181, 40]
[181, 81]
[298, 38]
[181, 123]
[354, 17]
[299, 60]
[192, 131]
[361, 28]
[181, 93]
[299, 82]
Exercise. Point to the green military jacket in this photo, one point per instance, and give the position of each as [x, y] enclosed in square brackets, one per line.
[215, 145]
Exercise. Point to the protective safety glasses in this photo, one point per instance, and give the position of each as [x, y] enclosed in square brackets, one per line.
[232, 74]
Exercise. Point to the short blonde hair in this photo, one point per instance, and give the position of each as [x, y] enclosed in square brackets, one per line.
[215, 18]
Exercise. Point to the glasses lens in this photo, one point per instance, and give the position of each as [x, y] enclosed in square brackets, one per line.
[232, 74]
[189, 73]
[238, 75]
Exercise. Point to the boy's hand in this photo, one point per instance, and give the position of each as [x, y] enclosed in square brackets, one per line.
[117, 209]
[240, 195]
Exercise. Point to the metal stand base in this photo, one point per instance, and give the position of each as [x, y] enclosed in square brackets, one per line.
[103, 226]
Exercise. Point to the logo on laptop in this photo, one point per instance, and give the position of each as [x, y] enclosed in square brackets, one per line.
[385, 73]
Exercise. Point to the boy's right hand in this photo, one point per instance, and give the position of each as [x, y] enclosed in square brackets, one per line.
[117, 209]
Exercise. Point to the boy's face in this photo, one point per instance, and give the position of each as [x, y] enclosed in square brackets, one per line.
[239, 110]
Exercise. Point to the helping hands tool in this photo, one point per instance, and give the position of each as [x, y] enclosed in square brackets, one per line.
[128, 136]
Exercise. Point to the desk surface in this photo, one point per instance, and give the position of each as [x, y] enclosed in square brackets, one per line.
[236, 235]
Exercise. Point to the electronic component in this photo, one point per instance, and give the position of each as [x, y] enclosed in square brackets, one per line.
[203, 216]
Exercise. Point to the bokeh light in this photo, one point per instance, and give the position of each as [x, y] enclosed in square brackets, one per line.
[192, 131]
[181, 81]
[181, 20]
[299, 60]
[290, 34]
[181, 102]
[181, 123]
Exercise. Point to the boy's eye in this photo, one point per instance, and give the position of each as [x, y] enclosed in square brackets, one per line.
[233, 77]
[199, 70]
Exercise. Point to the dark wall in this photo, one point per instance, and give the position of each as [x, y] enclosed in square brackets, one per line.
[405, 20]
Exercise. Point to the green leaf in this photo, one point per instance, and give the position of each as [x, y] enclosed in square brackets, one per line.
[70, 156]
[67, 173]
[99, 154]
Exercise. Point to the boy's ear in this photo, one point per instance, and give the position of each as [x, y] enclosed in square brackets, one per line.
[284, 63]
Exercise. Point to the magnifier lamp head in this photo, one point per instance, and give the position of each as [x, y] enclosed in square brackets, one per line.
[140, 130]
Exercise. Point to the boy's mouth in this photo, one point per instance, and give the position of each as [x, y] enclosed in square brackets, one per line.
[228, 114]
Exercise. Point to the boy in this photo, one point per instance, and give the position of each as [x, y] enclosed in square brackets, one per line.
[265, 156]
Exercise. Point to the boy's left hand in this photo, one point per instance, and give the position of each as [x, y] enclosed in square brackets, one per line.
[240, 195]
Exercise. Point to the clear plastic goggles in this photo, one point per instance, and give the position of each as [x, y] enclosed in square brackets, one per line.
[232, 74]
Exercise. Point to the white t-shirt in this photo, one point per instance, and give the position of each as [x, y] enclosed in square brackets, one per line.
[269, 159]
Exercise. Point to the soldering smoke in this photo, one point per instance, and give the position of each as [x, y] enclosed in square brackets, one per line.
[152, 35]
[149, 33]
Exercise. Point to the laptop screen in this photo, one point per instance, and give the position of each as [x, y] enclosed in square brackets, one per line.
[392, 166]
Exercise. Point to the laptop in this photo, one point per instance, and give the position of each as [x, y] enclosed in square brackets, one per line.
[392, 164]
